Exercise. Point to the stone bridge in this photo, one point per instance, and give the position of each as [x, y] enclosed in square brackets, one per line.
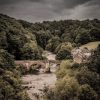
[42, 63]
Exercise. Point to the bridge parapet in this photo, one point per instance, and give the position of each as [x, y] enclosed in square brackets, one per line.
[28, 63]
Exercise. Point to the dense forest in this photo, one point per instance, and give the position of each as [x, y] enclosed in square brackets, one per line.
[21, 40]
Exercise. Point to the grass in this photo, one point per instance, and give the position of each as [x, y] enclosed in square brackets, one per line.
[91, 45]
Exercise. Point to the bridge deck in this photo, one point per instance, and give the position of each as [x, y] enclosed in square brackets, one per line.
[37, 61]
[28, 63]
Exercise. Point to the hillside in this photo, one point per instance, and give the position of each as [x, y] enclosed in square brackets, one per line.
[24, 41]
[91, 45]
[27, 40]
[17, 40]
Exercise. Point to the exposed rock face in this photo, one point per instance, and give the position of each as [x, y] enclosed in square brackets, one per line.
[81, 55]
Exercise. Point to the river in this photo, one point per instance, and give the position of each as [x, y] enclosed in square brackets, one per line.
[36, 83]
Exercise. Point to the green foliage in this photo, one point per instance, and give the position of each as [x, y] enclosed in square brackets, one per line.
[86, 93]
[65, 69]
[10, 83]
[42, 38]
[31, 51]
[53, 43]
[6, 60]
[94, 64]
[3, 40]
[33, 69]
[66, 88]
[22, 69]
[84, 76]
[63, 54]
[95, 34]
[24, 41]
[82, 37]
[48, 35]
[14, 37]
[74, 31]
[75, 82]
[63, 51]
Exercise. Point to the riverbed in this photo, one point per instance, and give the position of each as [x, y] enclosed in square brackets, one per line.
[36, 83]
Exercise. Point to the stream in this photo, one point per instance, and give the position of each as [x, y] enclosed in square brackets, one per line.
[36, 83]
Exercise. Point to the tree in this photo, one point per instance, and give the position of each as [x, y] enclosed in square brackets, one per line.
[6, 59]
[95, 34]
[63, 51]
[63, 54]
[42, 38]
[87, 93]
[86, 76]
[31, 51]
[53, 43]
[94, 64]
[3, 40]
[82, 37]
[10, 83]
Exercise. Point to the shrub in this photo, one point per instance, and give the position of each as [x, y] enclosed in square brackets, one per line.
[6, 59]
[66, 88]
[63, 54]
[34, 69]
[85, 76]
[22, 69]
[86, 93]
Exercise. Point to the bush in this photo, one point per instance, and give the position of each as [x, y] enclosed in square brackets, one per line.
[22, 69]
[53, 43]
[10, 83]
[85, 76]
[31, 51]
[63, 51]
[83, 37]
[6, 60]
[65, 69]
[63, 54]
[86, 93]
[66, 88]
[33, 69]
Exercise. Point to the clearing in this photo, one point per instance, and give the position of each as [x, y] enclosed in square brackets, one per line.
[91, 45]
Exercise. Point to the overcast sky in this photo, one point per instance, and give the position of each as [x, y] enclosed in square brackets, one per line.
[39, 10]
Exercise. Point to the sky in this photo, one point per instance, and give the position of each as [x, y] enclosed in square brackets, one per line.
[47, 10]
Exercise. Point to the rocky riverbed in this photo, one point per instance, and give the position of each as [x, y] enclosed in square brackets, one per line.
[36, 83]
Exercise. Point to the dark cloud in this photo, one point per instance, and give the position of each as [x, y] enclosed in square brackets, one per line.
[4, 2]
[74, 3]
[36, 0]
[39, 10]
[93, 2]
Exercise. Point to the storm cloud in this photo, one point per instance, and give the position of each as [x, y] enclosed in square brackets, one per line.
[40, 10]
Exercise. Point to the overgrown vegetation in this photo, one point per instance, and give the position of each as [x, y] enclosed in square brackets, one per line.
[20, 40]
[33, 69]
[10, 83]
[26, 40]
[51, 35]
[77, 81]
